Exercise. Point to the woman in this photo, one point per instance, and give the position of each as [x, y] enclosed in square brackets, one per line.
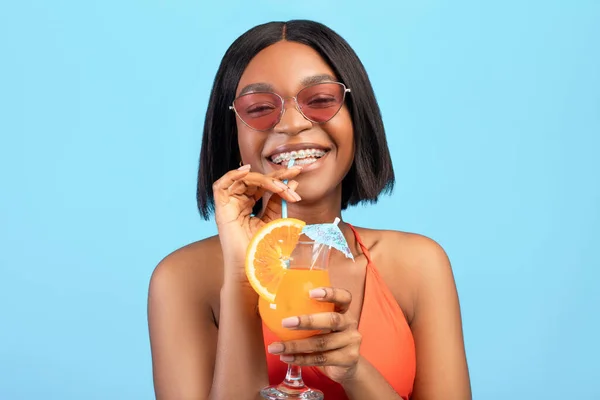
[396, 330]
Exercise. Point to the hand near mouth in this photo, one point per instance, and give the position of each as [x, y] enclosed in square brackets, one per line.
[235, 195]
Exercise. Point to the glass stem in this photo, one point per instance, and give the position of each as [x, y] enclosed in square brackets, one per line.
[293, 378]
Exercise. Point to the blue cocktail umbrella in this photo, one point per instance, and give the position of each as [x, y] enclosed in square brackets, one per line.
[330, 235]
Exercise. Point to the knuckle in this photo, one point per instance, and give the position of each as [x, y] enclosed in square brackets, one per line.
[321, 343]
[319, 359]
[299, 359]
[290, 347]
[333, 293]
[335, 320]
[340, 295]
[309, 321]
[356, 337]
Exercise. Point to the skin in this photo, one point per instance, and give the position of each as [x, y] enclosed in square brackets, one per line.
[205, 334]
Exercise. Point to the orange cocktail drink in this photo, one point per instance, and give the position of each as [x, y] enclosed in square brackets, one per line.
[292, 299]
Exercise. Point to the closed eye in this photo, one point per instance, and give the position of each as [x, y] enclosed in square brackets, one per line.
[322, 101]
[259, 110]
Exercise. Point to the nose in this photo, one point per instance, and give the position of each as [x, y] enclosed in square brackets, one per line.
[292, 121]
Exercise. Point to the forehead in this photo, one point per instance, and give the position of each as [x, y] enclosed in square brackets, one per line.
[286, 67]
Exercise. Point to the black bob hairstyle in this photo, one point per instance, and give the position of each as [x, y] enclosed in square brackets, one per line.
[371, 172]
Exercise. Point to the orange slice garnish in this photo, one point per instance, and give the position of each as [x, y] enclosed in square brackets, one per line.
[267, 253]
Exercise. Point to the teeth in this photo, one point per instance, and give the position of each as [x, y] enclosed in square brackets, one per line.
[311, 155]
[306, 161]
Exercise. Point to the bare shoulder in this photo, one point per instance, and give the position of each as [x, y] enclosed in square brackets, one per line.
[411, 253]
[408, 262]
[405, 252]
[416, 251]
[194, 269]
[184, 289]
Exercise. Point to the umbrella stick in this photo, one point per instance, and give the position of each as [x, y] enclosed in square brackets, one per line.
[320, 247]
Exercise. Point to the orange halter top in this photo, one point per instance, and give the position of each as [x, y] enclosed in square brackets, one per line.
[387, 341]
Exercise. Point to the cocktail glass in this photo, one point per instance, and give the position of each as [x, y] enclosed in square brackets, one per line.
[307, 270]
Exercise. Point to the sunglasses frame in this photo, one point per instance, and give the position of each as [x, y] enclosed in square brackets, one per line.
[296, 105]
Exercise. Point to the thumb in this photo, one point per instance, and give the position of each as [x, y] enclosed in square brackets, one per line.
[272, 209]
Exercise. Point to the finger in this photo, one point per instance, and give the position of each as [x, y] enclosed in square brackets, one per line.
[230, 177]
[341, 298]
[320, 321]
[255, 188]
[245, 205]
[255, 181]
[274, 203]
[240, 188]
[288, 173]
[345, 357]
[221, 185]
[272, 210]
[237, 188]
[293, 185]
[260, 192]
[272, 185]
[280, 175]
[316, 344]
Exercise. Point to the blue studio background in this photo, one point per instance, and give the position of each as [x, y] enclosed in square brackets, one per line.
[493, 116]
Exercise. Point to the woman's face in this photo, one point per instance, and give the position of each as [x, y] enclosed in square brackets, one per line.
[286, 68]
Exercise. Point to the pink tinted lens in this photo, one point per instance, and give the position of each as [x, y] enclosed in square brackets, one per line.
[261, 111]
[321, 102]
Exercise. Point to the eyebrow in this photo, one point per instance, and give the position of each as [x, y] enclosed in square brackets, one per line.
[265, 87]
[256, 87]
[312, 80]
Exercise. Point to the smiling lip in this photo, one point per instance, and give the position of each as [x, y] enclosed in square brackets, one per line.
[306, 168]
[296, 147]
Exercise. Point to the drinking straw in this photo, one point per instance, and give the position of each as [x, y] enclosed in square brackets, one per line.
[283, 202]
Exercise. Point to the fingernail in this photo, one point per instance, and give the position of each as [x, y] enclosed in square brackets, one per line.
[286, 358]
[290, 322]
[280, 184]
[295, 195]
[317, 293]
[275, 348]
[244, 167]
[298, 167]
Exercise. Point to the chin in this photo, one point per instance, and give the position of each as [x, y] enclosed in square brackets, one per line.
[313, 190]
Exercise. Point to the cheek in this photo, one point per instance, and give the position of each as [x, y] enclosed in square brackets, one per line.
[342, 133]
[250, 144]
